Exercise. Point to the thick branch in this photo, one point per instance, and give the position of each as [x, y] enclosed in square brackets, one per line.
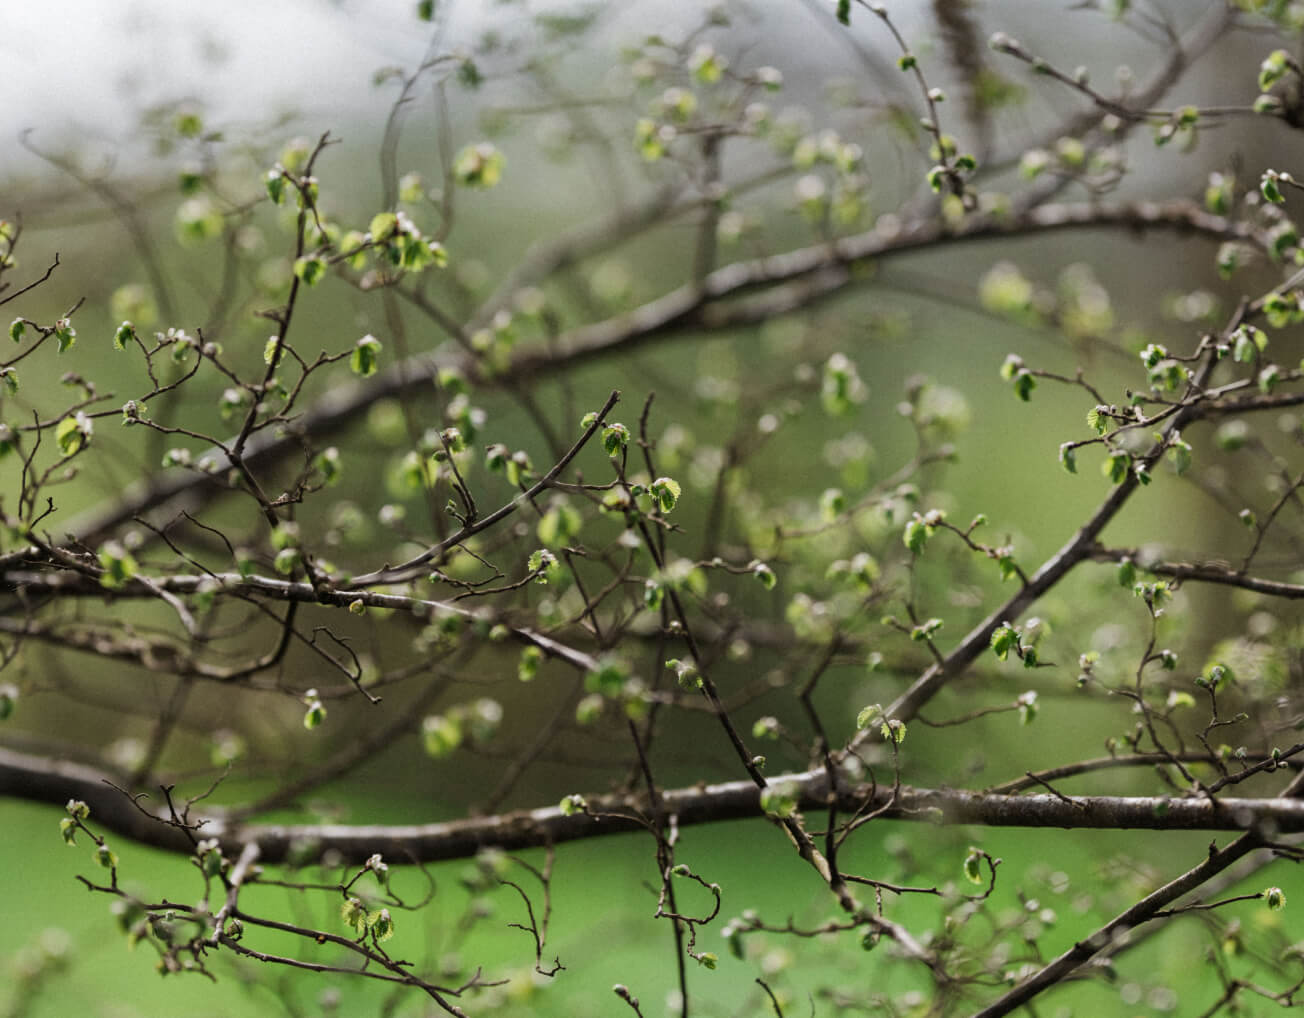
[42, 780]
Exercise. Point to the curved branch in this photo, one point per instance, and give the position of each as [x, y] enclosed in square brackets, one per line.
[687, 308]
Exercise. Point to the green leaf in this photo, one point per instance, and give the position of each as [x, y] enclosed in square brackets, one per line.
[426, 10]
[364, 360]
[382, 226]
[870, 715]
[1004, 639]
[1276, 898]
[779, 801]
[844, 11]
[8, 697]
[973, 863]
[1068, 457]
[527, 666]
[119, 565]
[666, 491]
[65, 334]
[310, 268]
[72, 434]
[17, 329]
[614, 439]
[274, 182]
[1116, 467]
[479, 166]
[1273, 69]
[440, 735]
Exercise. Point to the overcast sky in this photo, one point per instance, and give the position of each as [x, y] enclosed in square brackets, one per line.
[91, 65]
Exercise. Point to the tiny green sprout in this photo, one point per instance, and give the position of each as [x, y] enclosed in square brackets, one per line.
[1180, 698]
[543, 565]
[844, 12]
[708, 959]
[274, 182]
[104, 857]
[358, 607]
[382, 227]
[315, 712]
[686, 673]
[907, 62]
[478, 166]
[1180, 453]
[1068, 457]
[364, 359]
[8, 697]
[68, 831]
[77, 809]
[926, 630]
[764, 574]
[779, 801]
[1034, 163]
[765, 728]
[119, 565]
[527, 666]
[327, 463]
[1219, 193]
[1248, 519]
[572, 804]
[1268, 378]
[1126, 573]
[426, 10]
[614, 439]
[1005, 638]
[1168, 660]
[354, 914]
[1273, 68]
[1268, 105]
[1268, 187]
[608, 678]
[72, 434]
[1027, 707]
[666, 491]
[381, 925]
[893, 731]
[588, 420]
[1275, 898]
[1281, 239]
[310, 268]
[17, 329]
[589, 709]
[1153, 354]
[1247, 343]
[123, 334]
[973, 863]
[440, 734]
[870, 715]
[65, 334]
[833, 503]
[1116, 466]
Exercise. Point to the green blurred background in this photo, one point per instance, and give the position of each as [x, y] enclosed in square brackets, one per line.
[103, 89]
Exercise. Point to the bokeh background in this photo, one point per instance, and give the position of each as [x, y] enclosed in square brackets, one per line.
[95, 89]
